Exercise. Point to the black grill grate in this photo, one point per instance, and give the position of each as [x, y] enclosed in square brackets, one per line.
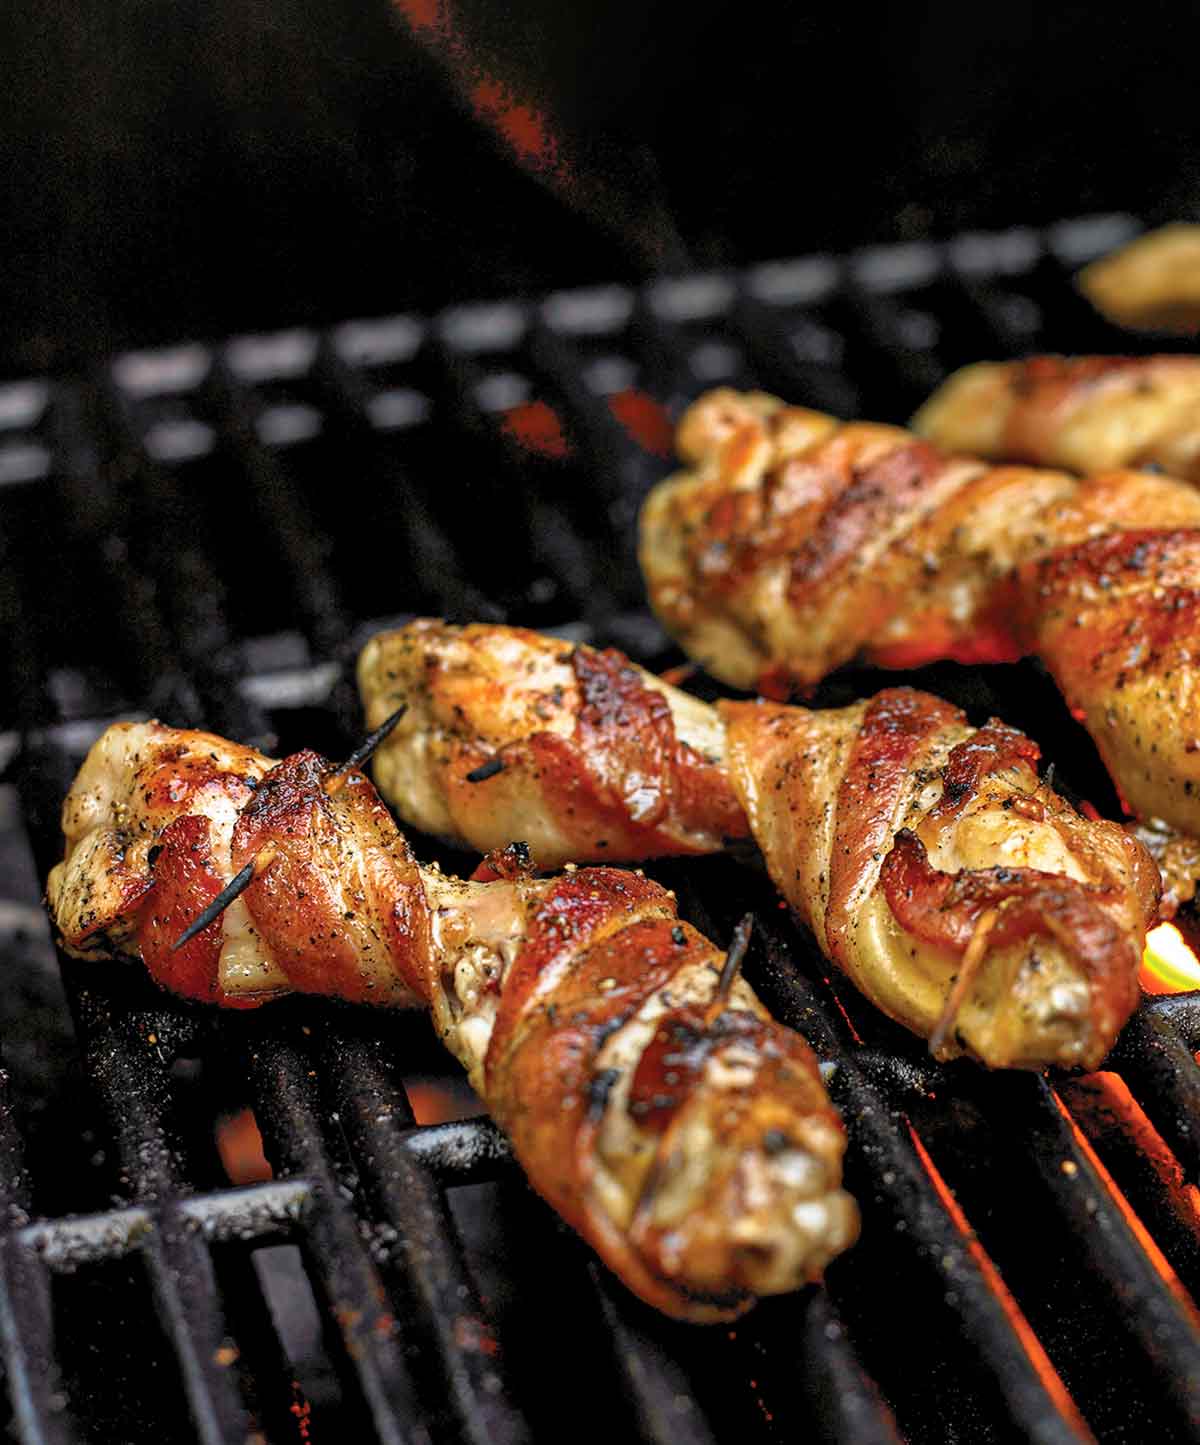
[208, 533]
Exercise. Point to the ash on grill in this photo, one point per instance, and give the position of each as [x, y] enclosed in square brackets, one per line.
[207, 534]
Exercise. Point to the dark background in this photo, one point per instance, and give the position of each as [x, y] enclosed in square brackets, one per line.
[172, 170]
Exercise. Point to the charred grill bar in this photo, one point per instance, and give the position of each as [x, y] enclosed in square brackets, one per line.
[207, 533]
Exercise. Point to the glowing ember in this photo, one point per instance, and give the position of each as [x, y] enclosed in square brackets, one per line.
[1168, 964]
[435, 1101]
[645, 421]
[241, 1149]
[536, 426]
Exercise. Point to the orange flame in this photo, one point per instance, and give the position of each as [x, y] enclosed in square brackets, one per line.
[1168, 964]
[435, 1101]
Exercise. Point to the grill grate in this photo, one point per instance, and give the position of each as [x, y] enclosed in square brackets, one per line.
[208, 533]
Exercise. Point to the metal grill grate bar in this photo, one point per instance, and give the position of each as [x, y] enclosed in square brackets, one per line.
[421, 1239]
[279, 511]
[294, 1131]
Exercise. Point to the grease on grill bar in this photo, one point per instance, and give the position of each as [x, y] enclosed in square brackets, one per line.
[221, 527]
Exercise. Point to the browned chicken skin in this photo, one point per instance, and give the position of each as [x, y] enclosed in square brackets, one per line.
[898, 832]
[794, 542]
[683, 1133]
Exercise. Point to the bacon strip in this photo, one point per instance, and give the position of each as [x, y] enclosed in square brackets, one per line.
[991, 749]
[836, 800]
[944, 909]
[897, 725]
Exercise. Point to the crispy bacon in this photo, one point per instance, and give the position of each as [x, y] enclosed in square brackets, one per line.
[568, 920]
[548, 990]
[342, 902]
[568, 1082]
[833, 798]
[682, 1045]
[991, 749]
[895, 729]
[183, 882]
[871, 498]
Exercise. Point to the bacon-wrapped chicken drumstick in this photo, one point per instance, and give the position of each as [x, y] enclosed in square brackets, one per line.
[1152, 282]
[795, 541]
[647, 1093]
[960, 893]
[1084, 413]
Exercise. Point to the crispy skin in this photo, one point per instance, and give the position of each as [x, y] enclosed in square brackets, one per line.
[576, 752]
[1153, 282]
[975, 563]
[1086, 414]
[555, 994]
[891, 827]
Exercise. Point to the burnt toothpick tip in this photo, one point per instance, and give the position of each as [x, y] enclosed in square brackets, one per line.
[738, 945]
[362, 753]
[236, 886]
[486, 770]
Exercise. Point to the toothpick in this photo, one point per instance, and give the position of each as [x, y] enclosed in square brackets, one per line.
[971, 959]
[738, 945]
[236, 886]
[336, 781]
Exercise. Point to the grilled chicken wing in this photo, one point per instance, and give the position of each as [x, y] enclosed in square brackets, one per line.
[1087, 413]
[680, 1130]
[903, 837]
[794, 542]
